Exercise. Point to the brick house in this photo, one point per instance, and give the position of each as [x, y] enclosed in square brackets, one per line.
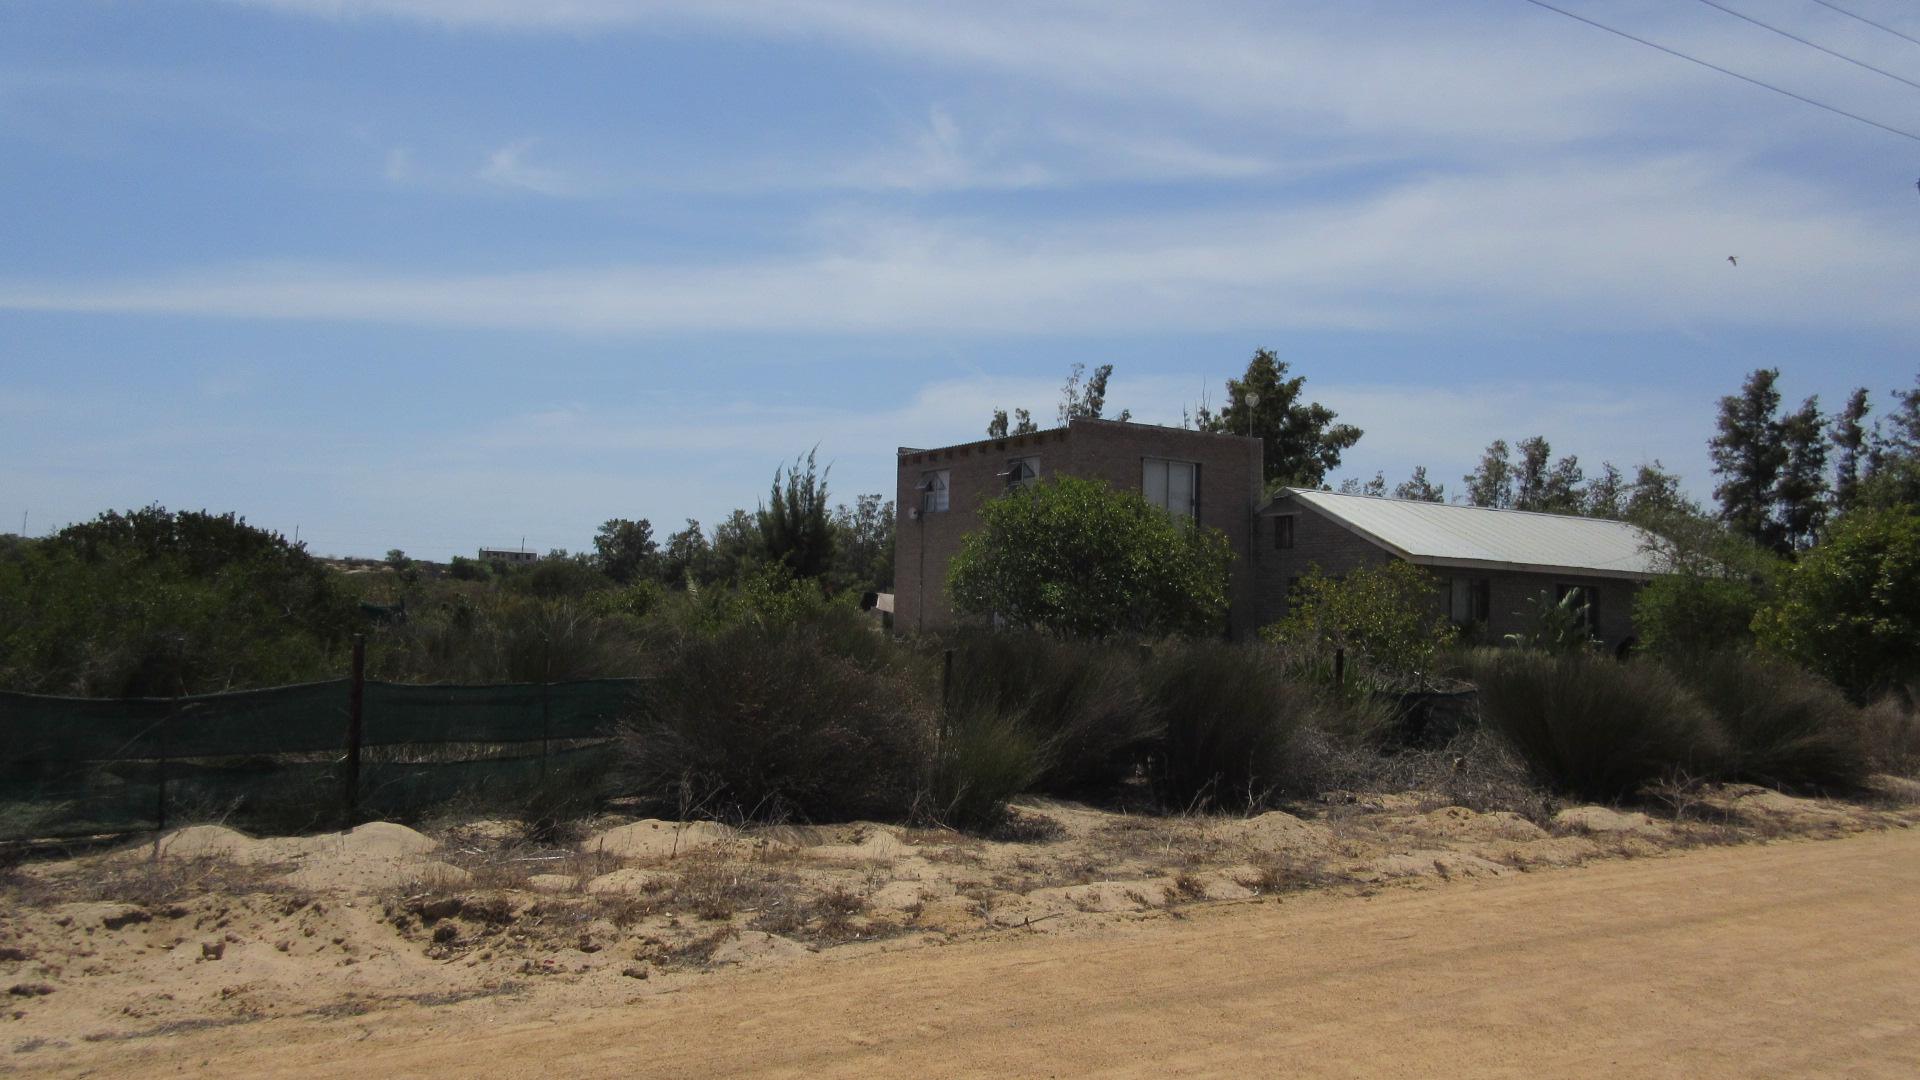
[1215, 478]
[1491, 563]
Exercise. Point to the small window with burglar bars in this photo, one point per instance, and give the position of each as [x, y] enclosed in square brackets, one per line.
[933, 492]
[1022, 471]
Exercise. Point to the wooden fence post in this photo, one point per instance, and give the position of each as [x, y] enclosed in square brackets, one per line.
[1340, 667]
[356, 730]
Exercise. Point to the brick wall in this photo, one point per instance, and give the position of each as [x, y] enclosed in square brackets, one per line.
[1321, 541]
[1229, 484]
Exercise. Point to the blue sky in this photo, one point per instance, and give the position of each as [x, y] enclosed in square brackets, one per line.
[438, 274]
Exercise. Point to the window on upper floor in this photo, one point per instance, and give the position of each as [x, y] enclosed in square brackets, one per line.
[1022, 471]
[1173, 486]
[933, 491]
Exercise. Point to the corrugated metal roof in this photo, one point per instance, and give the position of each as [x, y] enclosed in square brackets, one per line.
[1473, 537]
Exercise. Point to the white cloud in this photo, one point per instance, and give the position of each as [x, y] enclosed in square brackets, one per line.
[1578, 244]
[508, 167]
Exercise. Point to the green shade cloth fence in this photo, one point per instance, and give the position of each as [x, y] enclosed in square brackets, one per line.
[274, 758]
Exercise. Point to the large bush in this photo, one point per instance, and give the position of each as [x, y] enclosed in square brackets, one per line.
[1074, 556]
[1850, 608]
[157, 603]
[776, 723]
[500, 637]
[1386, 618]
[982, 758]
[1779, 725]
[1080, 701]
[1593, 727]
[1228, 720]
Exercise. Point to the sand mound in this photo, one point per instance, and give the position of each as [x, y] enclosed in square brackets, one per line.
[1278, 830]
[1599, 819]
[1440, 864]
[630, 881]
[875, 846]
[211, 842]
[1460, 823]
[656, 839]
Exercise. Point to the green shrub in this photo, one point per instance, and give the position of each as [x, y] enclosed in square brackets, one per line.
[1080, 700]
[158, 603]
[1592, 727]
[1677, 615]
[502, 637]
[1387, 619]
[1850, 608]
[983, 758]
[1228, 718]
[770, 724]
[1077, 557]
[1781, 726]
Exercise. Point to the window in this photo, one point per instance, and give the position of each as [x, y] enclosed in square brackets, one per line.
[1586, 608]
[1170, 485]
[1022, 471]
[1469, 599]
[1283, 533]
[933, 492]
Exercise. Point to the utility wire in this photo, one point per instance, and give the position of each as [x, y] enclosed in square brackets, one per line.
[1869, 22]
[1811, 44]
[1725, 71]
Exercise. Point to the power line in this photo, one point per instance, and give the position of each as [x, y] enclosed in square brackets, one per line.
[1812, 45]
[1725, 71]
[1869, 22]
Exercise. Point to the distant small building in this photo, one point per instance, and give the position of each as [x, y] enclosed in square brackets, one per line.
[510, 556]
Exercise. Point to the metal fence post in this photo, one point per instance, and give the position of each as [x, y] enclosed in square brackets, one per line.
[356, 726]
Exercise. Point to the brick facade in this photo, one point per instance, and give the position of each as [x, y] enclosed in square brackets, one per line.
[1227, 493]
[1322, 541]
[1227, 499]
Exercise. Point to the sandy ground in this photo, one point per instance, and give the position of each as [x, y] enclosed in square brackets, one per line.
[1389, 937]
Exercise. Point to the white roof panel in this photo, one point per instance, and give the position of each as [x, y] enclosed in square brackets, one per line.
[1443, 534]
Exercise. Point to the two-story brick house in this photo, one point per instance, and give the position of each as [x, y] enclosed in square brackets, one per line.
[1213, 478]
[1492, 564]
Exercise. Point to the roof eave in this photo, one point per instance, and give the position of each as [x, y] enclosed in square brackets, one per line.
[1443, 563]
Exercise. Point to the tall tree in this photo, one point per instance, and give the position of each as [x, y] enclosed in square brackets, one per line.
[1656, 493]
[1801, 491]
[1545, 485]
[1490, 484]
[1849, 437]
[1748, 455]
[1376, 487]
[1302, 442]
[863, 544]
[737, 549]
[1086, 399]
[687, 556]
[1606, 494]
[1418, 489]
[1022, 424]
[795, 530]
[625, 550]
[1892, 477]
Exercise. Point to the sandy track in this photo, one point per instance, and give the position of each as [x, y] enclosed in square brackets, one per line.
[1795, 959]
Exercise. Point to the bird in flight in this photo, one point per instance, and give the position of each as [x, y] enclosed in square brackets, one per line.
[1734, 259]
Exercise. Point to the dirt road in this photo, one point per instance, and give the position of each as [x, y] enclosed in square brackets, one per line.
[1796, 959]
